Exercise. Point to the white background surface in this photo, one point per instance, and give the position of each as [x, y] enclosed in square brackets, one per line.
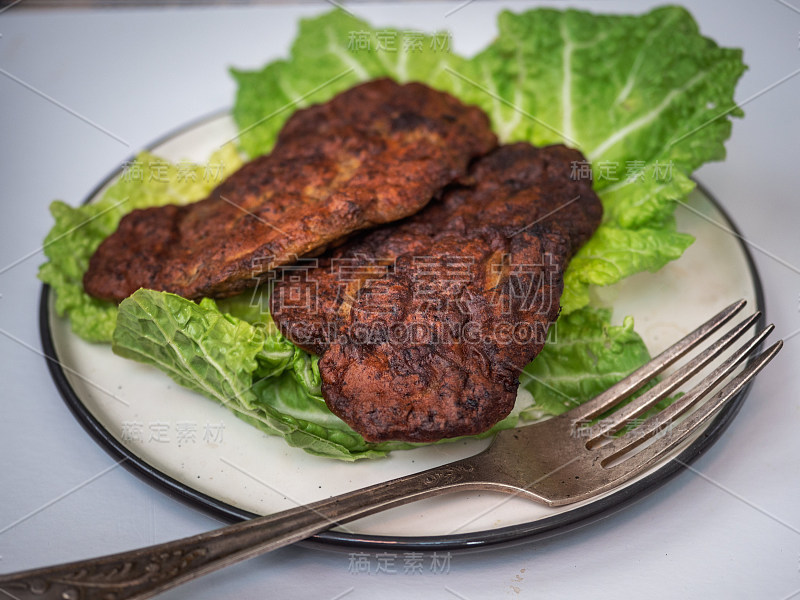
[730, 528]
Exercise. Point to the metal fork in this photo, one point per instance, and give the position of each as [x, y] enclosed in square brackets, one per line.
[566, 459]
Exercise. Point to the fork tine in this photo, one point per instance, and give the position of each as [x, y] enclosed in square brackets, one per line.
[616, 421]
[673, 437]
[655, 423]
[625, 387]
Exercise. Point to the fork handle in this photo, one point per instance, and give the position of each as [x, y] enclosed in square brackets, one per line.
[145, 572]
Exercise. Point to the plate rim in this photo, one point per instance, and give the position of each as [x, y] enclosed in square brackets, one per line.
[531, 531]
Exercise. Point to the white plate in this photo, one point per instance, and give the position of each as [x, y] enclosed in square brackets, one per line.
[193, 447]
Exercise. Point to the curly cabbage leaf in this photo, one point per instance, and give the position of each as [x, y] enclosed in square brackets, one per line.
[146, 181]
[646, 98]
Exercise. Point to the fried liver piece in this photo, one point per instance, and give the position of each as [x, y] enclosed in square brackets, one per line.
[424, 326]
[375, 153]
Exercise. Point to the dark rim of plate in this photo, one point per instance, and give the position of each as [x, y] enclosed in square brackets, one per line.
[542, 528]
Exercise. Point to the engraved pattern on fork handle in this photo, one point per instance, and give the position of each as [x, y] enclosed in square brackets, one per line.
[145, 572]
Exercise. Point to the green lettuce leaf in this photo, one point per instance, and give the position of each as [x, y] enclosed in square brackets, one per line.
[647, 99]
[584, 356]
[330, 54]
[249, 367]
[613, 253]
[146, 181]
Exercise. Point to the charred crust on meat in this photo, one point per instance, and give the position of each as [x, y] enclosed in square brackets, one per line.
[373, 154]
[517, 218]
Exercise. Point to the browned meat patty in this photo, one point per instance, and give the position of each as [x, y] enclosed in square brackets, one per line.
[424, 326]
[373, 154]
